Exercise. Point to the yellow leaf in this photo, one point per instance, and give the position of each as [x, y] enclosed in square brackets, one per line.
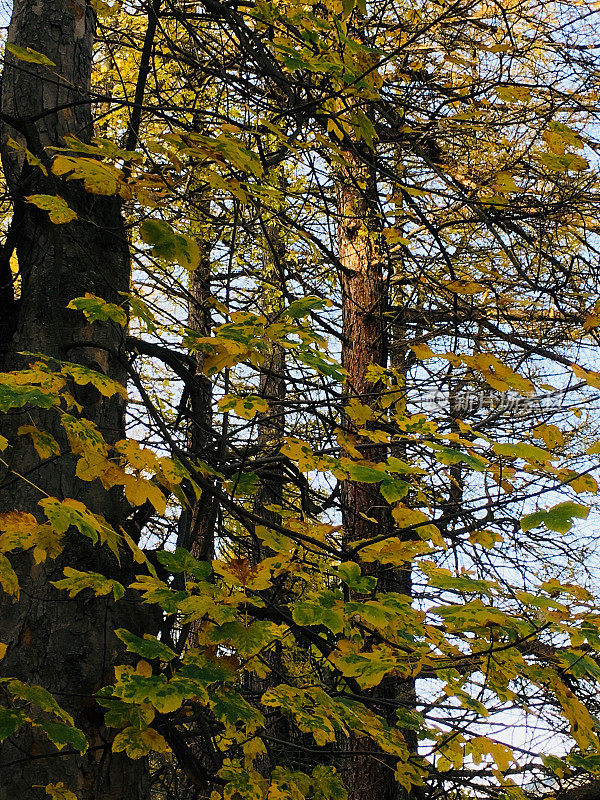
[408, 517]
[504, 182]
[143, 668]
[8, 577]
[57, 208]
[584, 483]
[157, 498]
[141, 458]
[550, 435]
[513, 94]
[589, 376]
[465, 287]
[253, 748]
[348, 443]
[93, 465]
[60, 791]
[485, 539]
[138, 743]
[240, 572]
[394, 236]
[582, 724]
[44, 443]
[422, 351]
[98, 178]
[138, 490]
[29, 55]
[358, 412]
[451, 753]
[483, 745]
[245, 407]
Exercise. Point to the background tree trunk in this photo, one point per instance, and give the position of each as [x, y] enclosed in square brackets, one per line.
[365, 512]
[363, 327]
[270, 426]
[197, 524]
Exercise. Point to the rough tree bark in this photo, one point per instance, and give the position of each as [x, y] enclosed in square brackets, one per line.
[67, 646]
[363, 328]
[270, 426]
[365, 513]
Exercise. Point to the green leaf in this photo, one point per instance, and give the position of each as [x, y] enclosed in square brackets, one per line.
[181, 560]
[364, 128]
[121, 714]
[76, 581]
[14, 395]
[299, 309]
[148, 647]
[10, 721]
[63, 515]
[103, 148]
[554, 764]
[61, 735]
[326, 610]
[528, 452]
[155, 689]
[327, 784]
[156, 591]
[369, 669]
[231, 708]
[444, 579]
[350, 573]
[564, 163]
[244, 483]
[240, 782]
[205, 671]
[96, 309]
[40, 697]
[246, 407]
[394, 490]
[322, 364]
[248, 640]
[364, 474]
[29, 55]
[168, 245]
[558, 518]
[448, 455]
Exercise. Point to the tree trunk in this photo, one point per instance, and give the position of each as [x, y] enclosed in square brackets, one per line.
[197, 525]
[270, 427]
[365, 513]
[363, 327]
[66, 646]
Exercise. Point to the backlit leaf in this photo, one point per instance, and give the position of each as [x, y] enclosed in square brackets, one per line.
[29, 55]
